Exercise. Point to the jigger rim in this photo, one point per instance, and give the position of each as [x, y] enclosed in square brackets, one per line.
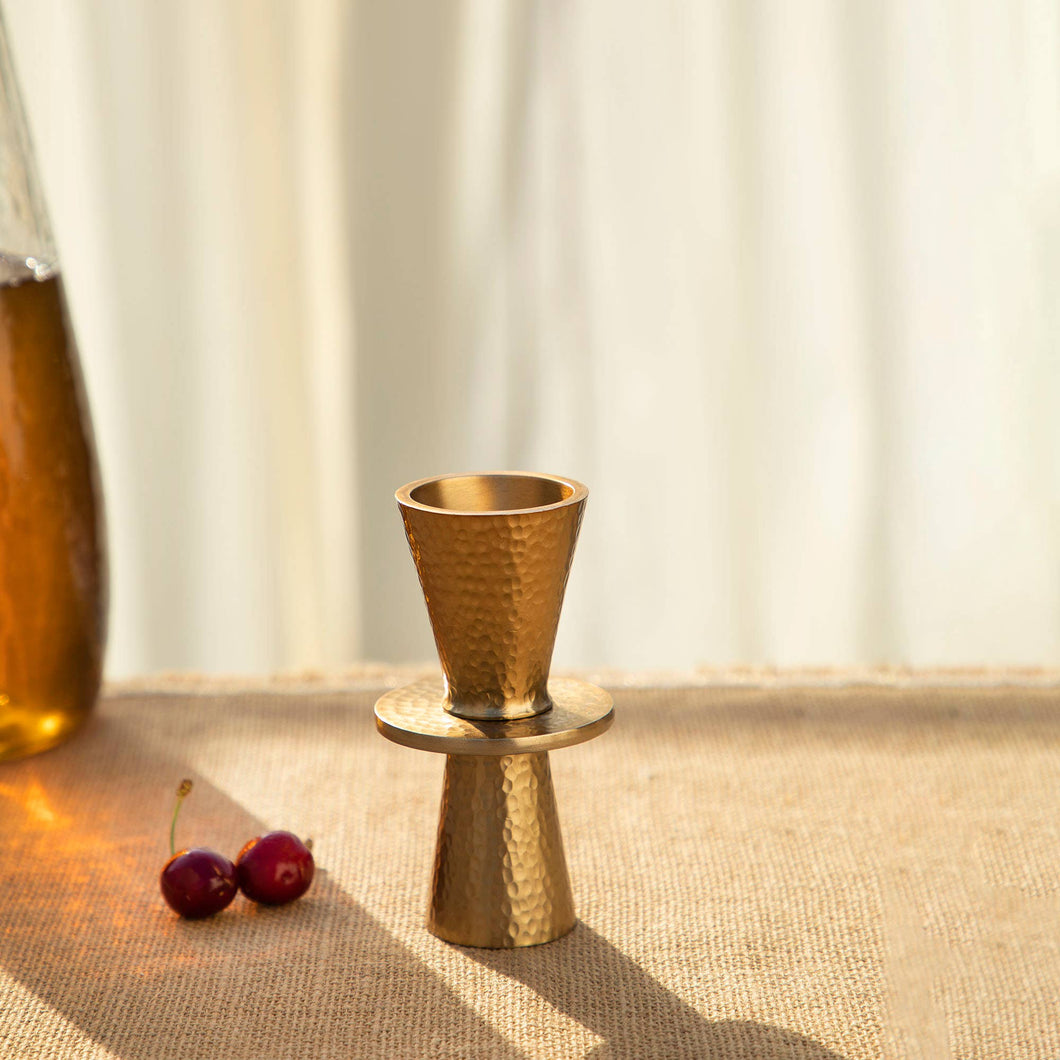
[578, 492]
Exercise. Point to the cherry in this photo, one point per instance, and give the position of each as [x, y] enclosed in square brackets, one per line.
[275, 868]
[196, 883]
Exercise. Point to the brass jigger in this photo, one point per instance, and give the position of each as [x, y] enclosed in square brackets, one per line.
[493, 553]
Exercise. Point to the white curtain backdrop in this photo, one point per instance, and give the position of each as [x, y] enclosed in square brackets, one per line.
[780, 281]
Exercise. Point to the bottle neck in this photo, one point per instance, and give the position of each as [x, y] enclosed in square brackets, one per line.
[27, 246]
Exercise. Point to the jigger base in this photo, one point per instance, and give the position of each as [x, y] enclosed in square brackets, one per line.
[500, 875]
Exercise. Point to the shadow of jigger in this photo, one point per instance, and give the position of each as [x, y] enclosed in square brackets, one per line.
[493, 552]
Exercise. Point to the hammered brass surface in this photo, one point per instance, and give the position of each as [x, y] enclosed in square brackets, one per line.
[413, 716]
[493, 552]
[500, 876]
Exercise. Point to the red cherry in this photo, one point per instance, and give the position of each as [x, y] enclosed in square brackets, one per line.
[198, 882]
[275, 868]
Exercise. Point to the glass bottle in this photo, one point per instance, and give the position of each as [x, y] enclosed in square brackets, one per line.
[53, 575]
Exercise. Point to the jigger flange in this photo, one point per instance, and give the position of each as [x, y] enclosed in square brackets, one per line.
[493, 552]
[500, 875]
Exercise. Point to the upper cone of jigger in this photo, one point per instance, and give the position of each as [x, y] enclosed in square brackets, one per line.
[493, 552]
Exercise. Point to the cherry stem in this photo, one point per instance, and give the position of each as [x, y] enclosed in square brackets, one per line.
[182, 791]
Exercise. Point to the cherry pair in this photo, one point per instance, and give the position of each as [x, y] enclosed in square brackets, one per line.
[273, 869]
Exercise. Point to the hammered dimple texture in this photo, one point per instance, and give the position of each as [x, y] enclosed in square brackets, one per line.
[500, 875]
[494, 586]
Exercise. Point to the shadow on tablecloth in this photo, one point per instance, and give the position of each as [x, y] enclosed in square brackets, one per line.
[593, 982]
[84, 930]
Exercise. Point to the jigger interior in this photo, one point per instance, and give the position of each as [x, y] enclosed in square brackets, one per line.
[493, 552]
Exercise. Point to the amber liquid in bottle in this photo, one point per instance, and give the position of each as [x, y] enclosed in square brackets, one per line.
[52, 557]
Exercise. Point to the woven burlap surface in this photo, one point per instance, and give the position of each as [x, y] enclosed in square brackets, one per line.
[796, 872]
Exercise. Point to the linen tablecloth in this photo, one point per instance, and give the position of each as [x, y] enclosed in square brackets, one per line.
[766, 866]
